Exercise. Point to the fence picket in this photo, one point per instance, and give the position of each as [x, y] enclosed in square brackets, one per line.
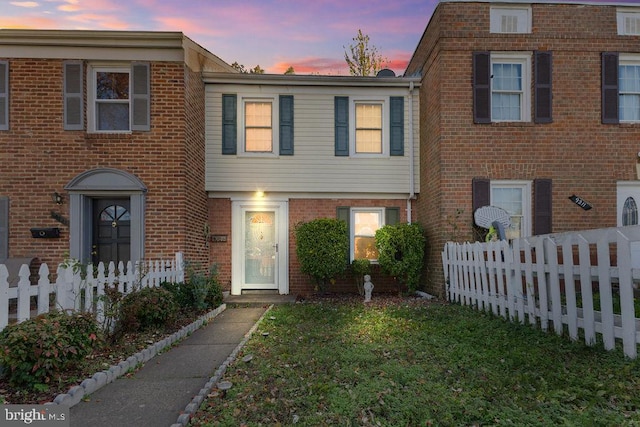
[570, 290]
[626, 298]
[529, 283]
[586, 289]
[4, 296]
[606, 298]
[44, 289]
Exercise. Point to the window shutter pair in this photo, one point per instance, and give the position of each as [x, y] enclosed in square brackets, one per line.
[73, 96]
[610, 90]
[4, 95]
[396, 125]
[230, 124]
[542, 87]
[542, 202]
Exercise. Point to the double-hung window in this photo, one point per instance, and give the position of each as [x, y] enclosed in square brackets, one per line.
[258, 126]
[368, 128]
[119, 98]
[510, 87]
[620, 88]
[515, 198]
[366, 221]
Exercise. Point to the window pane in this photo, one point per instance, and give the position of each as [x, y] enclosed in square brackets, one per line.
[258, 114]
[368, 116]
[505, 106]
[511, 200]
[630, 212]
[365, 247]
[507, 77]
[258, 140]
[366, 223]
[368, 141]
[112, 85]
[112, 116]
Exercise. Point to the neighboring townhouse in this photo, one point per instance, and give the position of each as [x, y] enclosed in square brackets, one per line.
[532, 107]
[287, 149]
[102, 145]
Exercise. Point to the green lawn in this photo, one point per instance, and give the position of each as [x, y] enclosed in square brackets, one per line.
[417, 364]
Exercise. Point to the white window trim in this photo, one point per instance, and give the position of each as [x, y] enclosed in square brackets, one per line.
[627, 59]
[526, 187]
[621, 16]
[275, 128]
[352, 227]
[523, 59]
[91, 94]
[522, 12]
[385, 125]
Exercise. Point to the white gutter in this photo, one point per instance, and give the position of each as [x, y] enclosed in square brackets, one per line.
[412, 194]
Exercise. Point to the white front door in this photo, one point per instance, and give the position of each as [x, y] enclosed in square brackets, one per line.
[259, 247]
[627, 212]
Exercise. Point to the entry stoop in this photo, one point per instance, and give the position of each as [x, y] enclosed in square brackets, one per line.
[258, 298]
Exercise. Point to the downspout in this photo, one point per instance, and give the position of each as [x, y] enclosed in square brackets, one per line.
[412, 194]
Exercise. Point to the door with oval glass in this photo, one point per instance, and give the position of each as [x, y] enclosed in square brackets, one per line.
[111, 231]
[628, 196]
[259, 247]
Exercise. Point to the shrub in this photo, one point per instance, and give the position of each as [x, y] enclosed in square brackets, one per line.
[322, 246]
[147, 308]
[360, 267]
[33, 351]
[199, 292]
[401, 252]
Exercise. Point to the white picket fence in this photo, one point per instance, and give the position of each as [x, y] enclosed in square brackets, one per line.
[74, 289]
[551, 279]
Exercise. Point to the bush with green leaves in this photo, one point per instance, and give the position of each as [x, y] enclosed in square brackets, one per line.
[34, 351]
[360, 267]
[401, 253]
[147, 308]
[201, 291]
[322, 247]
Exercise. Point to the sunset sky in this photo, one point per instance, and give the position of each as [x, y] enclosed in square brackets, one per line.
[310, 36]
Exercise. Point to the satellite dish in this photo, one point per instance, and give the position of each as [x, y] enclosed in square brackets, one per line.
[485, 216]
[385, 72]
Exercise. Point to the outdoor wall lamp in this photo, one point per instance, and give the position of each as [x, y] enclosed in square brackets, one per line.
[57, 198]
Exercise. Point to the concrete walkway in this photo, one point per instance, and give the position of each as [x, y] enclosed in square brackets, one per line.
[172, 383]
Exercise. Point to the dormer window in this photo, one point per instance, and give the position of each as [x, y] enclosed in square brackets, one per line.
[510, 20]
[628, 22]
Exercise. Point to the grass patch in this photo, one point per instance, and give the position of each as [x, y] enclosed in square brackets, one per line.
[412, 364]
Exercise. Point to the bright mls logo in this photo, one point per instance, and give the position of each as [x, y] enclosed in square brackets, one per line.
[37, 415]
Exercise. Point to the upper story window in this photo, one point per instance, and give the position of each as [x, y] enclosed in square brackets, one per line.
[509, 20]
[369, 126]
[119, 98]
[628, 22]
[620, 88]
[503, 90]
[258, 128]
[265, 124]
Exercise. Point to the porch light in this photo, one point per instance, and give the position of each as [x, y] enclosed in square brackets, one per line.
[57, 198]
[259, 194]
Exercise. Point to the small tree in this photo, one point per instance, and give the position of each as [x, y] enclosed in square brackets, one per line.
[322, 246]
[363, 60]
[401, 252]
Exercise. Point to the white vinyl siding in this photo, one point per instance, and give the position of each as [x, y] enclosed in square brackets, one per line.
[314, 168]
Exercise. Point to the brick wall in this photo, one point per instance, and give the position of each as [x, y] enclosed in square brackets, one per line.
[39, 157]
[580, 155]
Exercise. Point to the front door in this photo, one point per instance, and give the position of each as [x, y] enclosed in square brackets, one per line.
[259, 247]
[111, 231]
[627, 212]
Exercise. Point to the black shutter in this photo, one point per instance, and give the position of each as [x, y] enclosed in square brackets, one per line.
[141, 97]
[286, 125]
[229, 124]
[480, 193]
[391, 216]
[610, 88]
[481, 87]
[542, 202]
[341, 108]
[396, 126]
[73, 96]
[4, 228]
[543, 83]
[4, 95]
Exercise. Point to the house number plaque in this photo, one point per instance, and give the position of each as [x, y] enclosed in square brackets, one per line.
[580, 202]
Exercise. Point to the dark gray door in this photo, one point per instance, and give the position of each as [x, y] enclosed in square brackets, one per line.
[111, 231]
